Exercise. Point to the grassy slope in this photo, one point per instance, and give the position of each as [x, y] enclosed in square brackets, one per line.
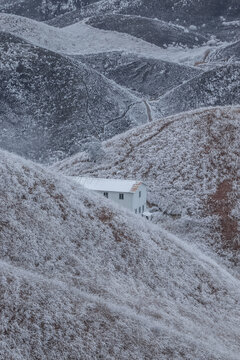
[78, 279]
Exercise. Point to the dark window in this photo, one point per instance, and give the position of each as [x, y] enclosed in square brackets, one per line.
[140, 193]
[139, 209]
[105, 194]
[143, 208]
[135, 211]
[121, 196]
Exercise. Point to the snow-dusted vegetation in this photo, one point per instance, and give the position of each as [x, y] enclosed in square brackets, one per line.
[149, 78]
[146, 90]
[154, 31]
[81, 280]
[219, 86]
[52, 105]
[190, 163]
[81, 38]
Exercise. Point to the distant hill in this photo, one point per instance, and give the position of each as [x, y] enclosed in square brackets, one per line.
[190, 164]
[101, 7]
[217, 87]
[51, 106]
[79, 39]
[77, 273]
[154, 31]
[148, 77]
[202, 13]
[42, 10]
[191, 12]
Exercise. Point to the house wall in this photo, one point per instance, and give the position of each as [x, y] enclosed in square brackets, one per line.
[140, 201]
[127, 202]
[131, 201]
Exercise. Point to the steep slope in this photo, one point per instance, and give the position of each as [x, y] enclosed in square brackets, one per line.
[79, 281]
[154, 31]
[51, 106]
[190, 163]
[148, 77]
[217, 87]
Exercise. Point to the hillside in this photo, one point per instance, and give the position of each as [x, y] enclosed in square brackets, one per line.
[99, 8]
[148, 77]
[82, 39]
[52, 106]
[154, 31]
[79, 280]
[190, 164]
[42, 10]
[202, 13]
[216, 87]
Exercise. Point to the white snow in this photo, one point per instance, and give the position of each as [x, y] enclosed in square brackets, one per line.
[101, 184]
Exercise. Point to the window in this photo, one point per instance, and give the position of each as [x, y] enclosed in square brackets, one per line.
[105, 194]
[140, 193]
[135, 211]
[143, 208]
[139, 210]
[121, 196]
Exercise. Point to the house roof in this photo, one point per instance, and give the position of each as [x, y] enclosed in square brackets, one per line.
[114, 185]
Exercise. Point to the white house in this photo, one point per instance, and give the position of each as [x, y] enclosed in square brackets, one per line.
[130, 194]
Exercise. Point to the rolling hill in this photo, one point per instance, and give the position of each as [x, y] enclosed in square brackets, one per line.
[216, 87]
[204, 14]
[154, 31]
[80, 280]
[81, 39]
[190, 163]
[51, 106]
[85, 90]
[145, 76]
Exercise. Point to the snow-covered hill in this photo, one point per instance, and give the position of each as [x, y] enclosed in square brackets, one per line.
[148, 77]
[208, 16]
[190, 163]
[79, 279]
[154, 31]
[82, 38]
[216, 87]
[51, 106]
